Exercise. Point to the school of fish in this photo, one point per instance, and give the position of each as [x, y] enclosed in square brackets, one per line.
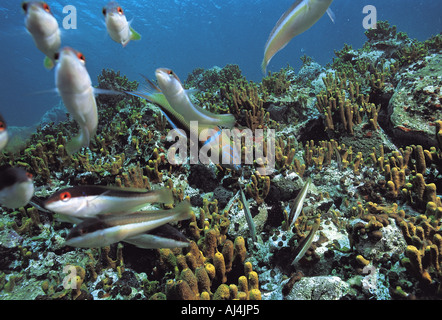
[103, 215]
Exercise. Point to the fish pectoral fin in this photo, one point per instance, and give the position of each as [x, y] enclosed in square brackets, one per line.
[134, 35]
[98, 91]
[78, 142]
[48, 63]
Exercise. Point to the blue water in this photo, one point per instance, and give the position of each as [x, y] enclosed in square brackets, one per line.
[183, 35]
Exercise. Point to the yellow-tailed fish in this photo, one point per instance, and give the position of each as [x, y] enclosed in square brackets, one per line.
[44, 29]
[298, 18]
[75, 88]
[118, 27]
[89, 201]
[16, 187]
[103, 231]
[3, 133]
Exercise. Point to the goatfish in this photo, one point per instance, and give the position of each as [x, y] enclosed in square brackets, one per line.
[75, 88]
[117, 26]
[103, 231]
[164, 236]
[16, 187]
[90, 201]
[44, 29]
[298, 18]
[3, 133]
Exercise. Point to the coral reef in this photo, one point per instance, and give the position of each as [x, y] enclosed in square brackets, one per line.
[366, 130]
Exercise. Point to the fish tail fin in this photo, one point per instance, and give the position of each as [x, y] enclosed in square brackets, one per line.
[183, 211]
[134, 35]
[78, 142]
[264, 67]
[165, 196]
[48, 63]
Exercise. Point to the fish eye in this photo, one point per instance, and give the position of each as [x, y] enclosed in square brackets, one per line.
[24, 5]
[2, 126]
[104, 11]
[120, 10]
[56, 55]
[29, 175]
[170, 72]
[81, 57]
[65, 196]
[46, 7]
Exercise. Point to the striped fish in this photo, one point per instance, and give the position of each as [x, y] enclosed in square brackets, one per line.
[300, 17]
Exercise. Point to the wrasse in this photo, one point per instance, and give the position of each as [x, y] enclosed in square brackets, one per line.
[75, 88]
[44, 29]
[118, 27]
[175, 103]
[298, 18]
[3, 133]
[91, 201]
[164, 236]
[103, 231]
[16, 187]
[299, 203]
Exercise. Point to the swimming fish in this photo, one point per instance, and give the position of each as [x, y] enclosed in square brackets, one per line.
[90, 201]
[305, 243]
[44, 29]
[299, 202]
[164, 236]
[117, 25]
[175, 103]
[248, 215]
[3, 133]
[298, 18]
[103, 231]
[16, 187]
[75, 88]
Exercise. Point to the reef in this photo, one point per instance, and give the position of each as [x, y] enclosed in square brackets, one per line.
[366, 130]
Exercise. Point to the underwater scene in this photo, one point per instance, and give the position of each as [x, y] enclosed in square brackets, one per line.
[221, 150]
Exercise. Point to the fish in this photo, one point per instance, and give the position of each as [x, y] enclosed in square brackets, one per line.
[42, 25]
[105, 230]
[175, 103]
[16, 187]
[305, 243]
[4, 137]
[89, 201]
[75, 88]
[302, 15]
[299, 202]
[117, 26]
[164, 236]
[248, 215]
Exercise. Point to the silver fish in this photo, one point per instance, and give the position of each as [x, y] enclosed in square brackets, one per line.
[44, 29]
[16, 187]
[298, 18]
[248, 215]
[103, 231]
[298, 203]
[305, 243]
[3, 133]
[165, 236]
[118, 27]
[90, 201]
[75, 88]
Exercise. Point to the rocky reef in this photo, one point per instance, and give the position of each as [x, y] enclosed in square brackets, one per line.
[366, 129]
